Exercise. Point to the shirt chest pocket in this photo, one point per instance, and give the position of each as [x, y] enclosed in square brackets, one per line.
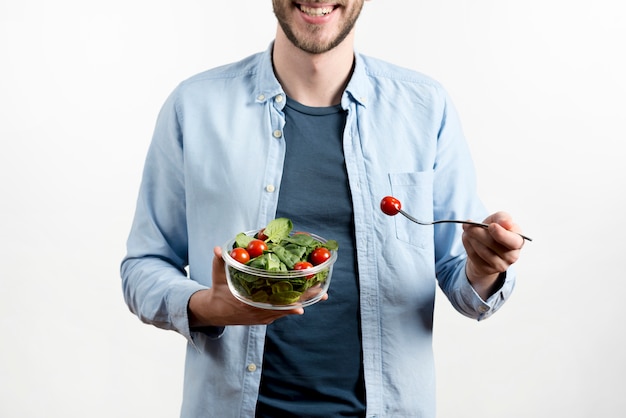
[415, 192]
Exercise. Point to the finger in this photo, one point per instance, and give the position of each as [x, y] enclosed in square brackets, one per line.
[484, 256]
[506, 221]
[219, 276]
[508, 238]
[267, 316]
[487, 251]
[504, 244]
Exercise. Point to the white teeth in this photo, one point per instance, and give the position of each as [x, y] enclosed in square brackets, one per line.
[316, 11]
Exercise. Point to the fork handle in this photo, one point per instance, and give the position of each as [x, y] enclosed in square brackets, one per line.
[453, 221]
[480, 224]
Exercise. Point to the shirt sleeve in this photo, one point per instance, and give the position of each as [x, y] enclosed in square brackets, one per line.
[456, 197]
[155, 282]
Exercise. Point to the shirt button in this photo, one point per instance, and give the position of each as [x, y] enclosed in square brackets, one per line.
[270, 188]
[261, 97]
[279, 98]
[483, 309]
[277, 133]
[251, 367]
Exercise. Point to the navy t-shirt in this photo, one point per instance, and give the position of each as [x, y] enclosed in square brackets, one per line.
[313, 362]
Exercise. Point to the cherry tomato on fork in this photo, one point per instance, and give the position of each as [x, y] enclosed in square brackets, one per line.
[390, 205]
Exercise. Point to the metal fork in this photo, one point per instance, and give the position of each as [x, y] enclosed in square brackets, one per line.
[451, 221]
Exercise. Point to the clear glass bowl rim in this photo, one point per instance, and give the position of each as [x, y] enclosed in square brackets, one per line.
[228, 246]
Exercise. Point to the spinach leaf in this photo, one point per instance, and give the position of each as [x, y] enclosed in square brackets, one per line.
[269, 262]
[242, 240]
[278, 229]
[290, 254]
[331, 244]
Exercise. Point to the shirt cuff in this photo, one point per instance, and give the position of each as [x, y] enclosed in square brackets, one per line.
[178, 302]
[212, 332]
[475, 307]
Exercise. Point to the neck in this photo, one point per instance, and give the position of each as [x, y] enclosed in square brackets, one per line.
[313, 79]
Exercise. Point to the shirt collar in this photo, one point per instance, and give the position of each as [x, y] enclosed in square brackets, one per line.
[267, 85]
[357, 88]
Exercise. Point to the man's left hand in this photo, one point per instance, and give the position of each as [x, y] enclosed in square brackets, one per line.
[491, 251]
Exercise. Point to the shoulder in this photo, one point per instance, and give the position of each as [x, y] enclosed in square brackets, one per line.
[244, 68]
[392, 86]
[381, 69]
[233, 82]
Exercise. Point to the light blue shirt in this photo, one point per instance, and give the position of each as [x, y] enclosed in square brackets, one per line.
[214, 169]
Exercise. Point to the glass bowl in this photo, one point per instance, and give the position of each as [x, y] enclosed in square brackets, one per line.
[278, 290]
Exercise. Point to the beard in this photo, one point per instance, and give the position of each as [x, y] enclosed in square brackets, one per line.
[309, 42]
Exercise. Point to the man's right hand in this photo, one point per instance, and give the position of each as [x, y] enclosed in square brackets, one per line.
[218, 307]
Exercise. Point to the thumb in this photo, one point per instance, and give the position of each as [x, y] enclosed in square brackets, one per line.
[219, 276]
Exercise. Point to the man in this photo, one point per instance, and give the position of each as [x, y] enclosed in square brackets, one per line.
[311, 131]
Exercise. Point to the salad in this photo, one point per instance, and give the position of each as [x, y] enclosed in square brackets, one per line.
[276, 261]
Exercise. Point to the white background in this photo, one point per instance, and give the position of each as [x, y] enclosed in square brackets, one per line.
[541, 91]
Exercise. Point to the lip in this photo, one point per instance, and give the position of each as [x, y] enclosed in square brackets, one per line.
[322, 18]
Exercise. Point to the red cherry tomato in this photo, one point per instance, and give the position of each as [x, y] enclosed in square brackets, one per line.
[303, 265]
[240, 254]
[319, 255]
[256, 247]
[261, 235]
[390, 205]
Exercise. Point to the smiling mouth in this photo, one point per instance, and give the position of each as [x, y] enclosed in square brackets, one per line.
[316, 11]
